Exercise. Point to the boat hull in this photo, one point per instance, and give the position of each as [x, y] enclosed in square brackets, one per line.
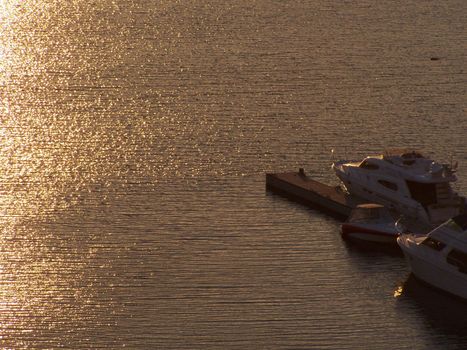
[374, 235]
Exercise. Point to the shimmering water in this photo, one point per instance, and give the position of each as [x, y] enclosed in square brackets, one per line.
[134, 140]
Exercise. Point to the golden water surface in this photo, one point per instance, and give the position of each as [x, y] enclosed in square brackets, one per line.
[134, 140]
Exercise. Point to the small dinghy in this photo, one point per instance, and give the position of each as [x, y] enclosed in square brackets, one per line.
[371, 223]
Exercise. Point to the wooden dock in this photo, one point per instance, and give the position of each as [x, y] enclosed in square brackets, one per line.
[298, 186]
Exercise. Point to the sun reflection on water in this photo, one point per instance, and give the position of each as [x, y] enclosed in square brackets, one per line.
[56, 151]
[399, 291]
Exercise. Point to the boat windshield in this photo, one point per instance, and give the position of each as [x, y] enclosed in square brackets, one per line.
[369, 214]
[365, 164]
[433, 243]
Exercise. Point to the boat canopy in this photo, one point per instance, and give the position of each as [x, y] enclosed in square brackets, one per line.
[369, 211]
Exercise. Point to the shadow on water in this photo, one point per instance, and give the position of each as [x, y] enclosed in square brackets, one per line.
[286, 197]
[444, 313]
[372, 249]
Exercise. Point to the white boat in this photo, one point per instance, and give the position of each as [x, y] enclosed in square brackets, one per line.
[439, 258]
[371, 223]
[405, 181]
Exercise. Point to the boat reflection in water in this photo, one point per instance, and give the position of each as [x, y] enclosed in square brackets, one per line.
[443, 313]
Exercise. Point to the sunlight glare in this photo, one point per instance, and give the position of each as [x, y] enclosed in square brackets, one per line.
[6, 10]
[398, 291]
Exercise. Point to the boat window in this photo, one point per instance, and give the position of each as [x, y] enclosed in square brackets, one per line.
[459, 259]
[424, 193]
[461, 221]
[388, 184]
[433, 243]
[368, 165]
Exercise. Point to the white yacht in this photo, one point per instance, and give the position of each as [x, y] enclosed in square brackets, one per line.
[408, 182]
[439, 258]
